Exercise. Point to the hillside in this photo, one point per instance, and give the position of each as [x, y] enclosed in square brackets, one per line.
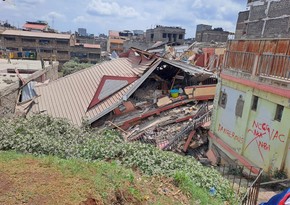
[43, 136]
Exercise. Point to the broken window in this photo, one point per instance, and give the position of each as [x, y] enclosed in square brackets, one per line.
[223, 99]
[279, 113]
[255, 102]
[240, 106]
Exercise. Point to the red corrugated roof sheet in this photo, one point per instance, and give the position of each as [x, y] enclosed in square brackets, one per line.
[35, 26]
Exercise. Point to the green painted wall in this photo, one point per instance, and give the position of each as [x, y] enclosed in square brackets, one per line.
[256, 135]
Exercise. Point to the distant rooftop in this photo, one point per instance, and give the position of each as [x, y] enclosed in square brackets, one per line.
[20, 64]
[36, 34]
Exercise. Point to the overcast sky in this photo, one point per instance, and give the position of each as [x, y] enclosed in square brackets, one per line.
[99, 16]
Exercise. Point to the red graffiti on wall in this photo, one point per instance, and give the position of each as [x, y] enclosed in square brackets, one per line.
[263, 132]
[230, 134]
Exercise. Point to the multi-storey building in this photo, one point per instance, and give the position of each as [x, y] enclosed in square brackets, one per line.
[205, 33]
[251, 120]
[166, 33]
[82, 31]
[47, 46]
[264, 19]
[115, 41]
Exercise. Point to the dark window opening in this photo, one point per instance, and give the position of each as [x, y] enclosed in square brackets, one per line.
[29, 49]
[174, 37]
[45, 51]
[240, 106]
[28, 40]
[44, 42]
[180, 36]
[94, 55]
[79, 55]
[62, 52]
[10, 39]
[152, 36]
[12, 49]
[255, 103]
[164, 35]
[62, 41]
[169, 37]
[279, 113]
[223, 99]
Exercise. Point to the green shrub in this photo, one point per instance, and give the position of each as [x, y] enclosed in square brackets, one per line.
[73, 66]
[42, 135]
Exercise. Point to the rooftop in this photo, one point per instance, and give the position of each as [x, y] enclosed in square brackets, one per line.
[74, 96]
[8, 75]
[34, 26]
[36, 34]
[20, 64]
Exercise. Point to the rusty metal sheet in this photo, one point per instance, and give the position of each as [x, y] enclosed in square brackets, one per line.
[241, 45]
[270, 46]
[234, 46]
[253, 46]
[282, 47]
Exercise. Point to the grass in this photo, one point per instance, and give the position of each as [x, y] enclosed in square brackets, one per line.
[35, 180]
[45, 136]
[195, 192]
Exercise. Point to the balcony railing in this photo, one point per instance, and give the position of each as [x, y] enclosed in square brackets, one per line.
[268, 65]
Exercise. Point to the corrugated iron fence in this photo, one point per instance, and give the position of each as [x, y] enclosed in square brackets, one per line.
[269, 65]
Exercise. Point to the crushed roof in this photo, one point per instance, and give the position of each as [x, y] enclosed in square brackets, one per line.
[69, 97]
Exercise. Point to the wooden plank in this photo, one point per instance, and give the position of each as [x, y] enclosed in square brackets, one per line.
[204, 91]
[164, 101]
[185, 147]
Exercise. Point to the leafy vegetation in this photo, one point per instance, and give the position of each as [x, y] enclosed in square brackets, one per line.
[73, 66]
[42, 135]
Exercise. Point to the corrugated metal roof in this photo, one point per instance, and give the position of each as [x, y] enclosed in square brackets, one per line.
[119, 41]
[34, 26]
[36, 34]
[197, 72]
[70, 96]
[87, 45]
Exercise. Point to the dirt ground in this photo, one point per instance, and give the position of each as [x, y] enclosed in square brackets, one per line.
[30, 180]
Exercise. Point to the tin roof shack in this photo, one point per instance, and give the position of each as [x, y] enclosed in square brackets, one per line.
[251, 119]
[15, 76]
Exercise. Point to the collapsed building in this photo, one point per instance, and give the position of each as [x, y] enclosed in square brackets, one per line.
[15, 81]
[137, 93]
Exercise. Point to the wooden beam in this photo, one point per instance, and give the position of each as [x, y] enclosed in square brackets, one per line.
[191, 134]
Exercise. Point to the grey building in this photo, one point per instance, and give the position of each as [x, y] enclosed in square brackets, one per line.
[205, 33]
[82, 31]
[166, 34]
[264, 19]
[203, 27]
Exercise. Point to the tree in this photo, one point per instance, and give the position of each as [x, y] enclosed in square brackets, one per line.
[73, 66]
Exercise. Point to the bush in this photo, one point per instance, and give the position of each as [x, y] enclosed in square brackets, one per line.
[73, 66]
[42, 135]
